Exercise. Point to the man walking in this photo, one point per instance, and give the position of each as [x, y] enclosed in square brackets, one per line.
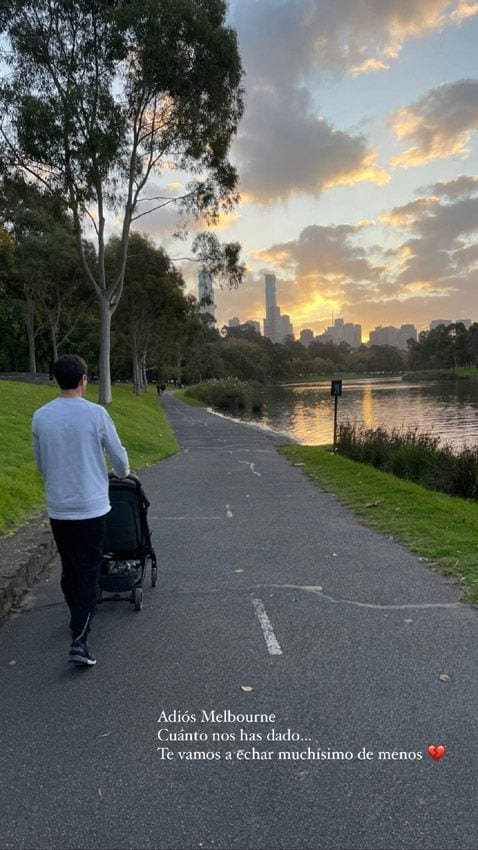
[70, 437]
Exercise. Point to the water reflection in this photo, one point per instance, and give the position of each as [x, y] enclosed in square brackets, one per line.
[448, 409]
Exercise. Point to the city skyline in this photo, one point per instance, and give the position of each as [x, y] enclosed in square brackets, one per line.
[357, 157]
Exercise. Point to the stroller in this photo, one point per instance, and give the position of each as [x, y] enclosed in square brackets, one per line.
[127, 545]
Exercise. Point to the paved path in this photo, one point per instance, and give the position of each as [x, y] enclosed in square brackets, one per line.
[265, 583]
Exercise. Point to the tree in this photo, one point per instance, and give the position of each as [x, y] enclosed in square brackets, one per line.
[152, 303]
[47, 275]
[102, 94]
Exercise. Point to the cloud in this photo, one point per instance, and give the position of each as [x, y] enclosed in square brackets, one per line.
[438, 125]
[408, 213]
[284, 147]
[282, 150]
[319, 269]
[288, 39]
[461, 187]
[441, 249]
[329, 268]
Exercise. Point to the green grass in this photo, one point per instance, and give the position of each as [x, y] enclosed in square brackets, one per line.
[194, 402]
[461, 372]
[140, 421]
[442, 529]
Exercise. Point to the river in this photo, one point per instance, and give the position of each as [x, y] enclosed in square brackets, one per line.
[448, 409]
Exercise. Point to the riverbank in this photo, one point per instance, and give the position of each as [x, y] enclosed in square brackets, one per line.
[140, 421]
[440, 528]
[461, 373]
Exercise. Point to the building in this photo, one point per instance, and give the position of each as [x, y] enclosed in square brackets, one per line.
[342, 331]
[271, 321]
[256, 326]
[306, 336]
[405, 333]
[286, 327]
[206, 295]
[435, 323]
[466, 322]
[276, 327]
[395, 337]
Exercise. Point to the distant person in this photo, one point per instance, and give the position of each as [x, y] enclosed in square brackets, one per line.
[70, 437]
[158, 389]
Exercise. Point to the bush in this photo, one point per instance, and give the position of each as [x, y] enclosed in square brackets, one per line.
[227, 394]
[416, 456]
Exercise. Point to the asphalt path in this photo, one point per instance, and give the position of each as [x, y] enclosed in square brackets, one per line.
[272, 600]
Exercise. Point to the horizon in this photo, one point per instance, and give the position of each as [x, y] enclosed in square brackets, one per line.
[357, 161]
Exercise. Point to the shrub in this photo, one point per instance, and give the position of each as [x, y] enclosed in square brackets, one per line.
[227, 394]
[416, 456]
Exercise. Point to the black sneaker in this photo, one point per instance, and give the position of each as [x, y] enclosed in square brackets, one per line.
[80, 653]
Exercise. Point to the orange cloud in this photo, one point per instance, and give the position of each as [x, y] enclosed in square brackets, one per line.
[439, 125]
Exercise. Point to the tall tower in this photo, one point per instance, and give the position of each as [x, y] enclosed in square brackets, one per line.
[272, 327]
[206, 294]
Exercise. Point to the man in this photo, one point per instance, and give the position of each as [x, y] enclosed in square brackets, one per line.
[70, 436]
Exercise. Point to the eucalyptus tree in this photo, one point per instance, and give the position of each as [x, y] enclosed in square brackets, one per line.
[47, 276]
[102, 94]
[152, 306]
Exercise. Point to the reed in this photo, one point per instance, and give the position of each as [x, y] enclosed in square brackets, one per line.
[415, 456]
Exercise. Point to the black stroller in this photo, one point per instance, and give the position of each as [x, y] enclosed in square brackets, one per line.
[127, 545]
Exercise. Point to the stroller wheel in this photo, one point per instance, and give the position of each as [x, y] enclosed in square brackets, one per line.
[138, 598]
[154, 575]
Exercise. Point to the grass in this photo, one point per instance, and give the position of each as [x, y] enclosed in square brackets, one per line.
[194, 402]
[460, 373]
[416, 456]
[440, 528]
[140, 421]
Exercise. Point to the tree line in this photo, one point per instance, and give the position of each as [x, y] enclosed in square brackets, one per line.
[159, 333]
[97, 98]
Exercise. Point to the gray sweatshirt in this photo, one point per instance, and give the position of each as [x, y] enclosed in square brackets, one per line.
[70, 436]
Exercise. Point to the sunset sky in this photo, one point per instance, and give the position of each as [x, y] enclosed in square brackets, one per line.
[357, 156]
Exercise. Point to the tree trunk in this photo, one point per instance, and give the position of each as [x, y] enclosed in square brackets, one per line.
[54, 340]
[30, 323]
[105, 396]
[136, 375]
[136, 361]
[144, 373]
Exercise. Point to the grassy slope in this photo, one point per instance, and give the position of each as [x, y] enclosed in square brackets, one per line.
[140, 421]
[441, 528]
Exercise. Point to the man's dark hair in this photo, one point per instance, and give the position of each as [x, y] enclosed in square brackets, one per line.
[69, 370]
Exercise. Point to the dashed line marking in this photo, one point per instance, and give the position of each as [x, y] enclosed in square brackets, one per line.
[272, 643]
[228, 512]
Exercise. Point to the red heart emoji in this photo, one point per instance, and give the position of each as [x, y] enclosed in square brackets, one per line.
[436, 752]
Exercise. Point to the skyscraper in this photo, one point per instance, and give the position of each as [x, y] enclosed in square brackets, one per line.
[276, 327]
[206, 294]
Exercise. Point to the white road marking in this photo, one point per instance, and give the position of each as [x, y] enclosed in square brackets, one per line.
[251, 467]
[228, 512]
[272, 643]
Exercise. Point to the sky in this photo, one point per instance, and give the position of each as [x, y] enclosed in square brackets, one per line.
[357, 158]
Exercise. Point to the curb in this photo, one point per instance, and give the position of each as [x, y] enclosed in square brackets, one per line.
[24, 557]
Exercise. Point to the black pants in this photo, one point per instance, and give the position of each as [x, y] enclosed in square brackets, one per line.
[80, 544]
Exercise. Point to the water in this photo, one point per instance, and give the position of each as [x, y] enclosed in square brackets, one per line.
[448, 409]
